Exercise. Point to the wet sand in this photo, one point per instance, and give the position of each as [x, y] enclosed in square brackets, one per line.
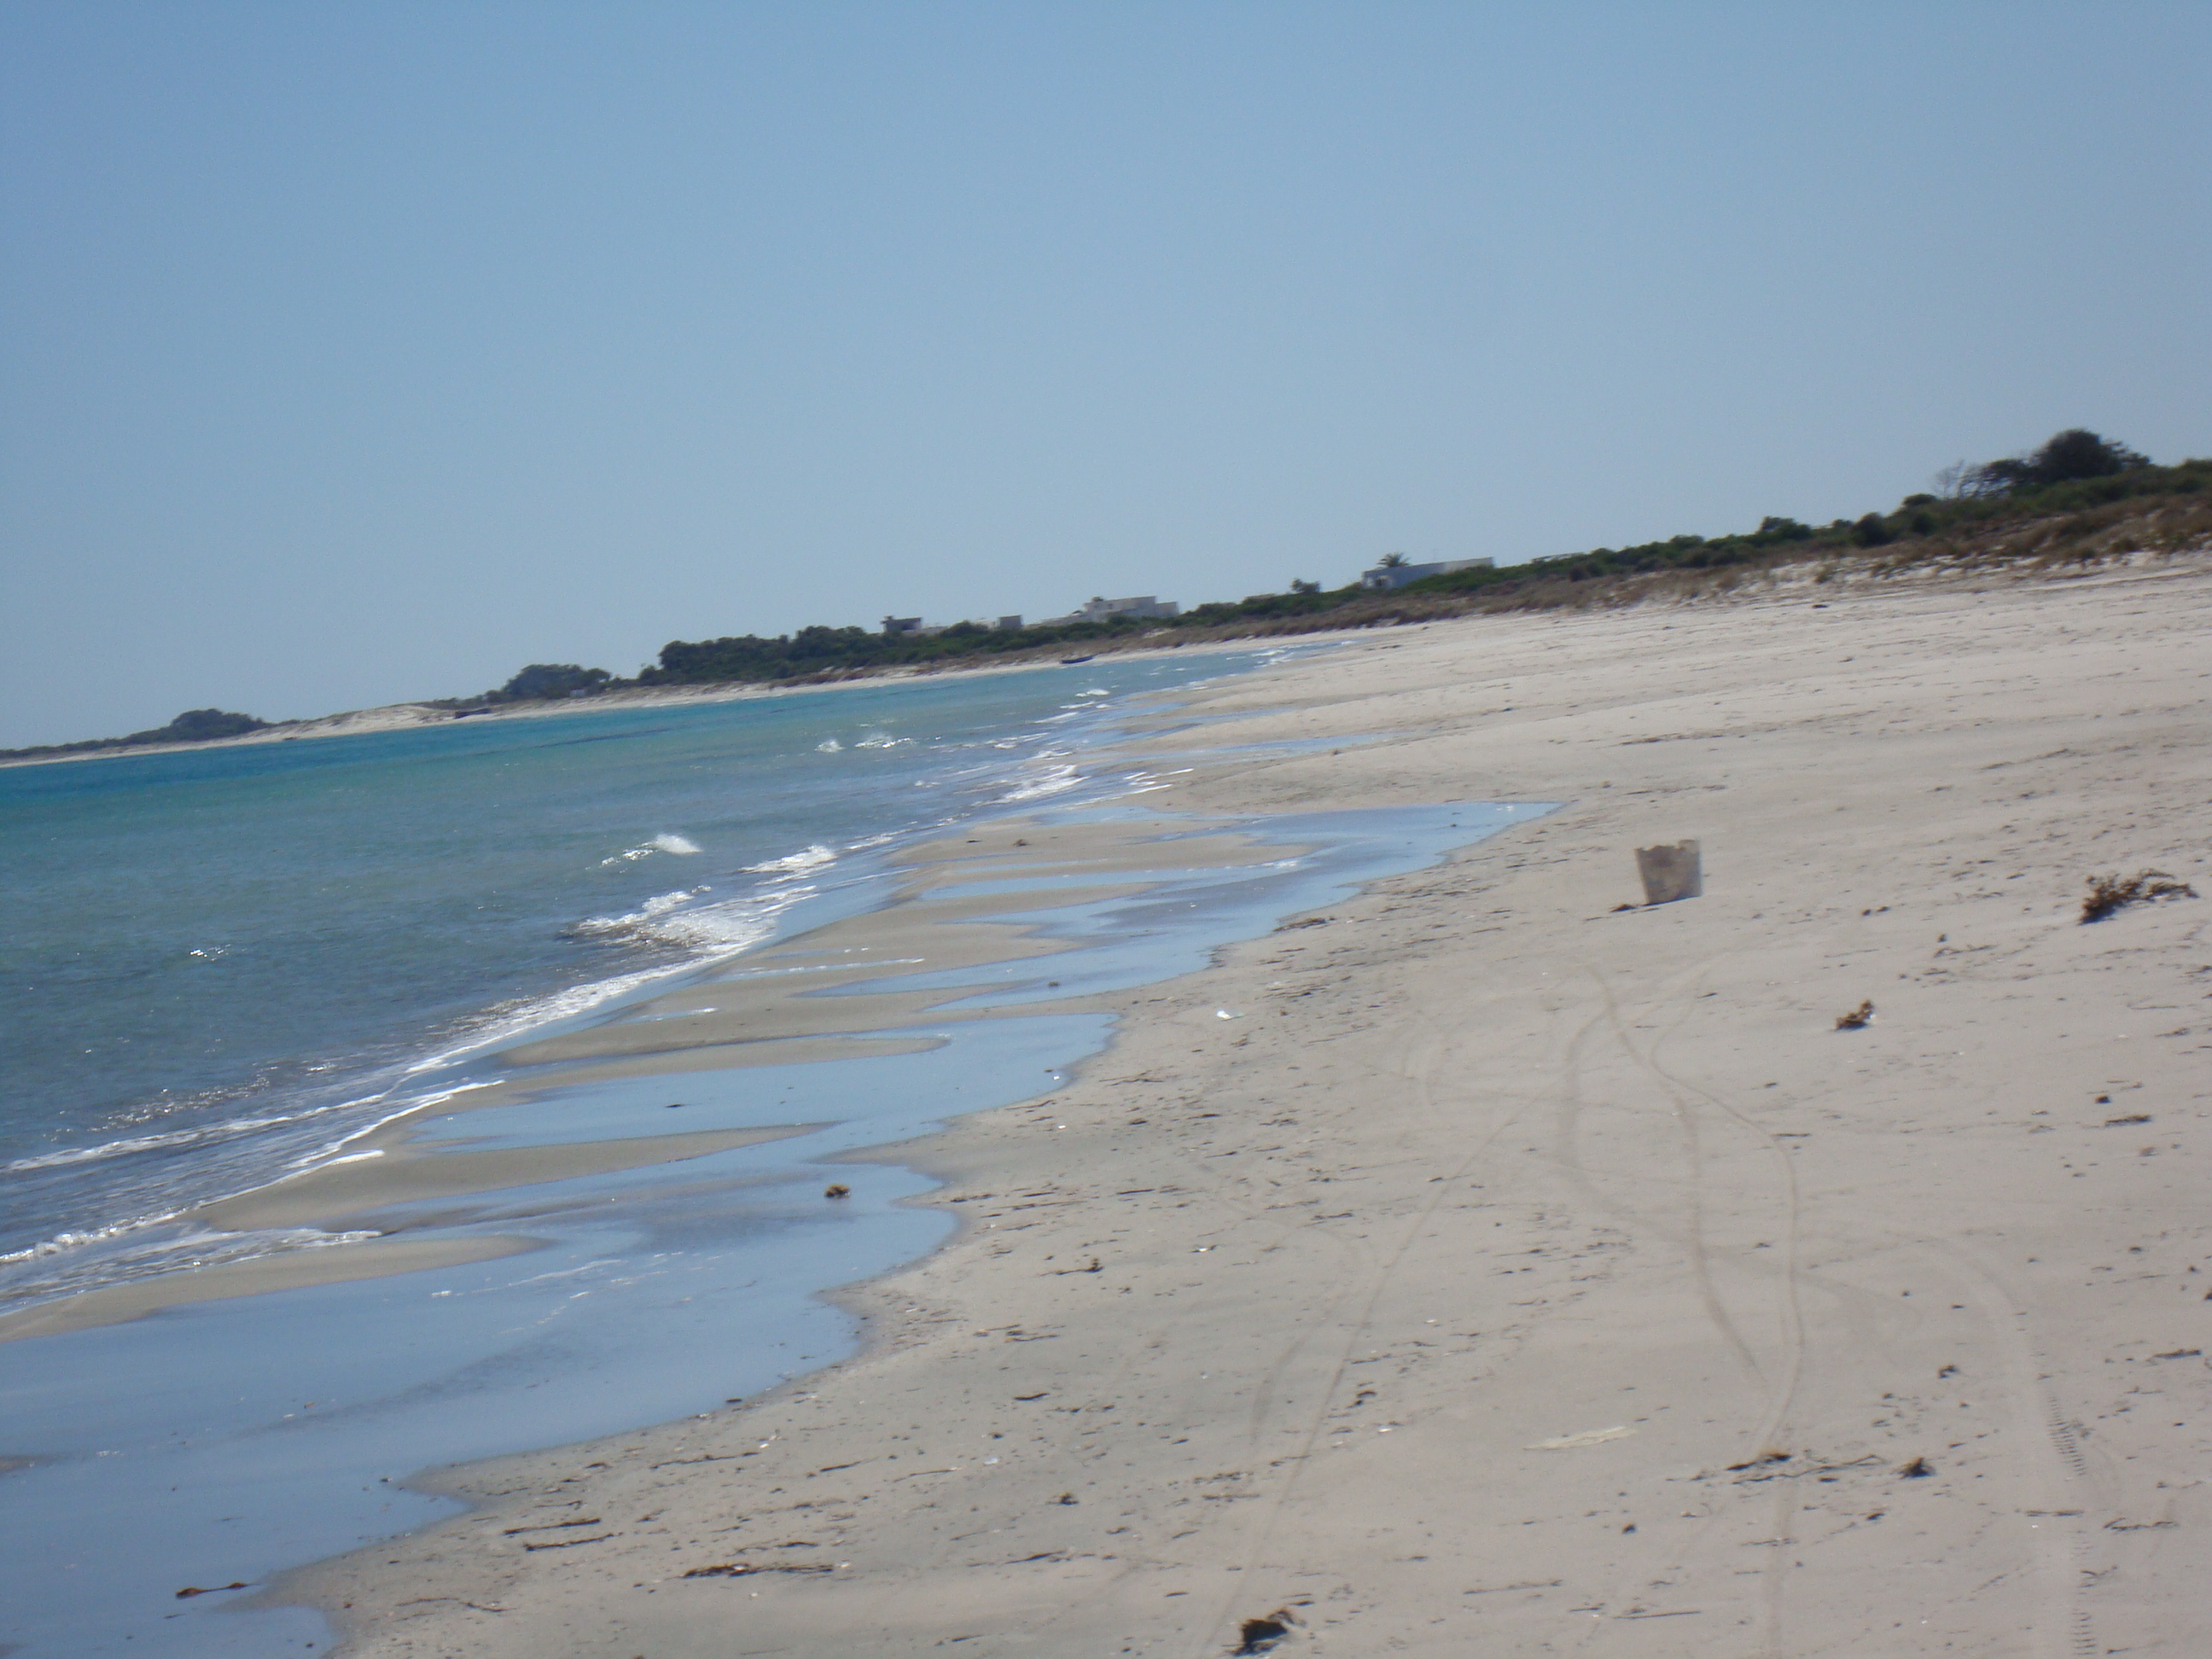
[380, 1189]
[335, 1264]
[393, 1172]
[929, 926]
[1524, 1270]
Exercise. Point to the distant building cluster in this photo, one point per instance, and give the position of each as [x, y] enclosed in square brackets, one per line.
[1096, 609]
[1143, 606]
[1392, 574]
[894, 626]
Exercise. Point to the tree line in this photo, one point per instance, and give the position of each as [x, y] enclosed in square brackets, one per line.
[2073, 470]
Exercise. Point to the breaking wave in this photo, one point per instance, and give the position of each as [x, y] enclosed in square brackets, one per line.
[795, 864]
[681, 845]
[196, 1136]
[1056, 779]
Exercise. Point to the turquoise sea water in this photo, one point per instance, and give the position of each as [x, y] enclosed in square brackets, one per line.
[223, 966]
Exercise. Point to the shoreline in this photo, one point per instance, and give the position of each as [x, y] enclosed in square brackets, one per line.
[1778, 583]
[417, 716]
[1601, 1135]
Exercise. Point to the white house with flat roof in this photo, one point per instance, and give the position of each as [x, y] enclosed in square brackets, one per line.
[1142, 605]
[1388, 578]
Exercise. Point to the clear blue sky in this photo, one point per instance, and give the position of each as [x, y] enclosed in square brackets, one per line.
[361, 351]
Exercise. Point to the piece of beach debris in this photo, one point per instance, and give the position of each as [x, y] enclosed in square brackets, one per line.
[2110, 893]
[1857, 1020]
[837, 1189]
[2132, 1117]
[1919, 1469]
[191, 1590]
[675, 1105]
[741, 1569]
[1311, 921]
[1771, 1455]
[1263, 1635]
[1064, 1497]
[1588, 1437]
[1671, 872]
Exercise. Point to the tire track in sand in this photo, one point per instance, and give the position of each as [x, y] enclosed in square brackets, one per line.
[1685, 1100]
[1417, 1072]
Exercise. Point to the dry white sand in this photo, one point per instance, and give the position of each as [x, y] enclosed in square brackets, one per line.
[1516, 1275]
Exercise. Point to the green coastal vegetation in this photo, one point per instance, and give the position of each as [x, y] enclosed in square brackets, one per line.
[2072, 493]
[2078, 499]
[193, 726]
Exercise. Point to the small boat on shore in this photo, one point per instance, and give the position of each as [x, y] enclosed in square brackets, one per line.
[1070, 662]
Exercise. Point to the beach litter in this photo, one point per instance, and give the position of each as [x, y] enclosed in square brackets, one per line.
[191, 1590]
[1261, 1635]
[1588, 1437]
[2109, 893]
[837, 1189]
[1857, 1020]
[1671, 872]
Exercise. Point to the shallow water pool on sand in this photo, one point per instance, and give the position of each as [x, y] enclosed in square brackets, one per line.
[225, 1441]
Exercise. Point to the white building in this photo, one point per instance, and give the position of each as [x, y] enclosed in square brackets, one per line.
[1387, 578]
[1142, 605]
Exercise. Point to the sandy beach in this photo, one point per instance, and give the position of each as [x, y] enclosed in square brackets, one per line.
[1489, 1263]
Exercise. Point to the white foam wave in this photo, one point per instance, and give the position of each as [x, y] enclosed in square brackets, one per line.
[506, 1021]
[795, 864]
[830, 746]
[1047, 781]
[659, 905]
[200, 1136]
[881, 740]
[681, 845]
[724, 929]
[202, 1249]
[708, 933]
[61, 1243]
